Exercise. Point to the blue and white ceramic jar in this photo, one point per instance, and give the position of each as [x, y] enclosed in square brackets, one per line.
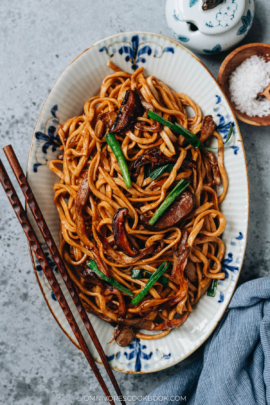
[210, 31]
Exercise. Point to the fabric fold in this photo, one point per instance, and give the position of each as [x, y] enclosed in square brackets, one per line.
[233, 366]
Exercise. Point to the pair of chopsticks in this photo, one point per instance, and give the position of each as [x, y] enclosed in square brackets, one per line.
[35, 246]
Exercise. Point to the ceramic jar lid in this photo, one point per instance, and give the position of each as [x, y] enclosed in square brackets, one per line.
[210, 30]
[213, 21]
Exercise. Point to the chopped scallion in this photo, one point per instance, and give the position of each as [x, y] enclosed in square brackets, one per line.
[178, 189]
[93, 266]
[139, 274]
[116, 148]
[212, 288]
[189, 136]
[155, 277]
[160, 170]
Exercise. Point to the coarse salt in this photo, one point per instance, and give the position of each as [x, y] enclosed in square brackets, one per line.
[249, 79]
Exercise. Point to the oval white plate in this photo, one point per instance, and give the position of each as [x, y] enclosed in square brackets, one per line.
[180, 69]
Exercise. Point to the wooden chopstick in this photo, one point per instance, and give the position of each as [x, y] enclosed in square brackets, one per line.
[14, 200]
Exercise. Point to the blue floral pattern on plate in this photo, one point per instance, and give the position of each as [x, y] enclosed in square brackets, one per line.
[135, 51]
[224, 127]
[221, 297]
[52, 266]
[224, 123]
[137, 356]
[49, 260]
[226, 265]
[240, 237]
[235, 149]
[137, 352]
[53, 296]
[51, 138]
[48, 138]
[229, 267]
[218, 99]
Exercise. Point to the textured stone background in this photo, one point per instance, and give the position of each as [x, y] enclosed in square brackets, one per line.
[38, 39]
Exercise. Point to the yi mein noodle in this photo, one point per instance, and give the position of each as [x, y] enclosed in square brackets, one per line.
[91, 189]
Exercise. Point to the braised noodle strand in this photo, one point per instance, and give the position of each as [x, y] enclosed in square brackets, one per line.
[103, 220]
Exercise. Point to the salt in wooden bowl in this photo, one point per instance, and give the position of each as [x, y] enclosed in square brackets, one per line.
[233, 60]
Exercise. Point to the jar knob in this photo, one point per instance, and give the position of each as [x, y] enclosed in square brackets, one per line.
[221, 18]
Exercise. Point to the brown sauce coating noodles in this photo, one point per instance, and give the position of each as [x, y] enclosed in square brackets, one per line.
[91, 189]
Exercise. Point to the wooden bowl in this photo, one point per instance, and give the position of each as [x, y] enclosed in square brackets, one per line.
[233, 60]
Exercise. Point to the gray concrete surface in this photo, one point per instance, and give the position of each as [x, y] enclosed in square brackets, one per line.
[38, 39]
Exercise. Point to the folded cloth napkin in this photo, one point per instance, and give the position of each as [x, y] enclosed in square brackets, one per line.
[234, 365]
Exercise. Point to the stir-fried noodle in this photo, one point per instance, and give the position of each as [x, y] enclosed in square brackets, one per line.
[103, 220]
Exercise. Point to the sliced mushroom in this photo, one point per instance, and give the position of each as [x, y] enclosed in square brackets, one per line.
[204, 289]
[154, 127]
[192, 287]
[108, 118]
[123, 259]
[122, 305]
[105, 318]
[160, 247]
[157, 183]
[214, 166]
[138, 323]
[172, 324]
[143, 323]
[119, 233]
[82, 194]
[130, 109]
[146, 105]
[181, 248]
[191, 272]
[123, 335]
[180, 259]
[174, 214]
[189, 164]
[209, 4]
[155, 157]
[208, 171]
[81, 199]
[90, 276]
[208, 128]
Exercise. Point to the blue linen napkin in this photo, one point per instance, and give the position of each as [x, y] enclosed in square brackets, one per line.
[234, 365]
